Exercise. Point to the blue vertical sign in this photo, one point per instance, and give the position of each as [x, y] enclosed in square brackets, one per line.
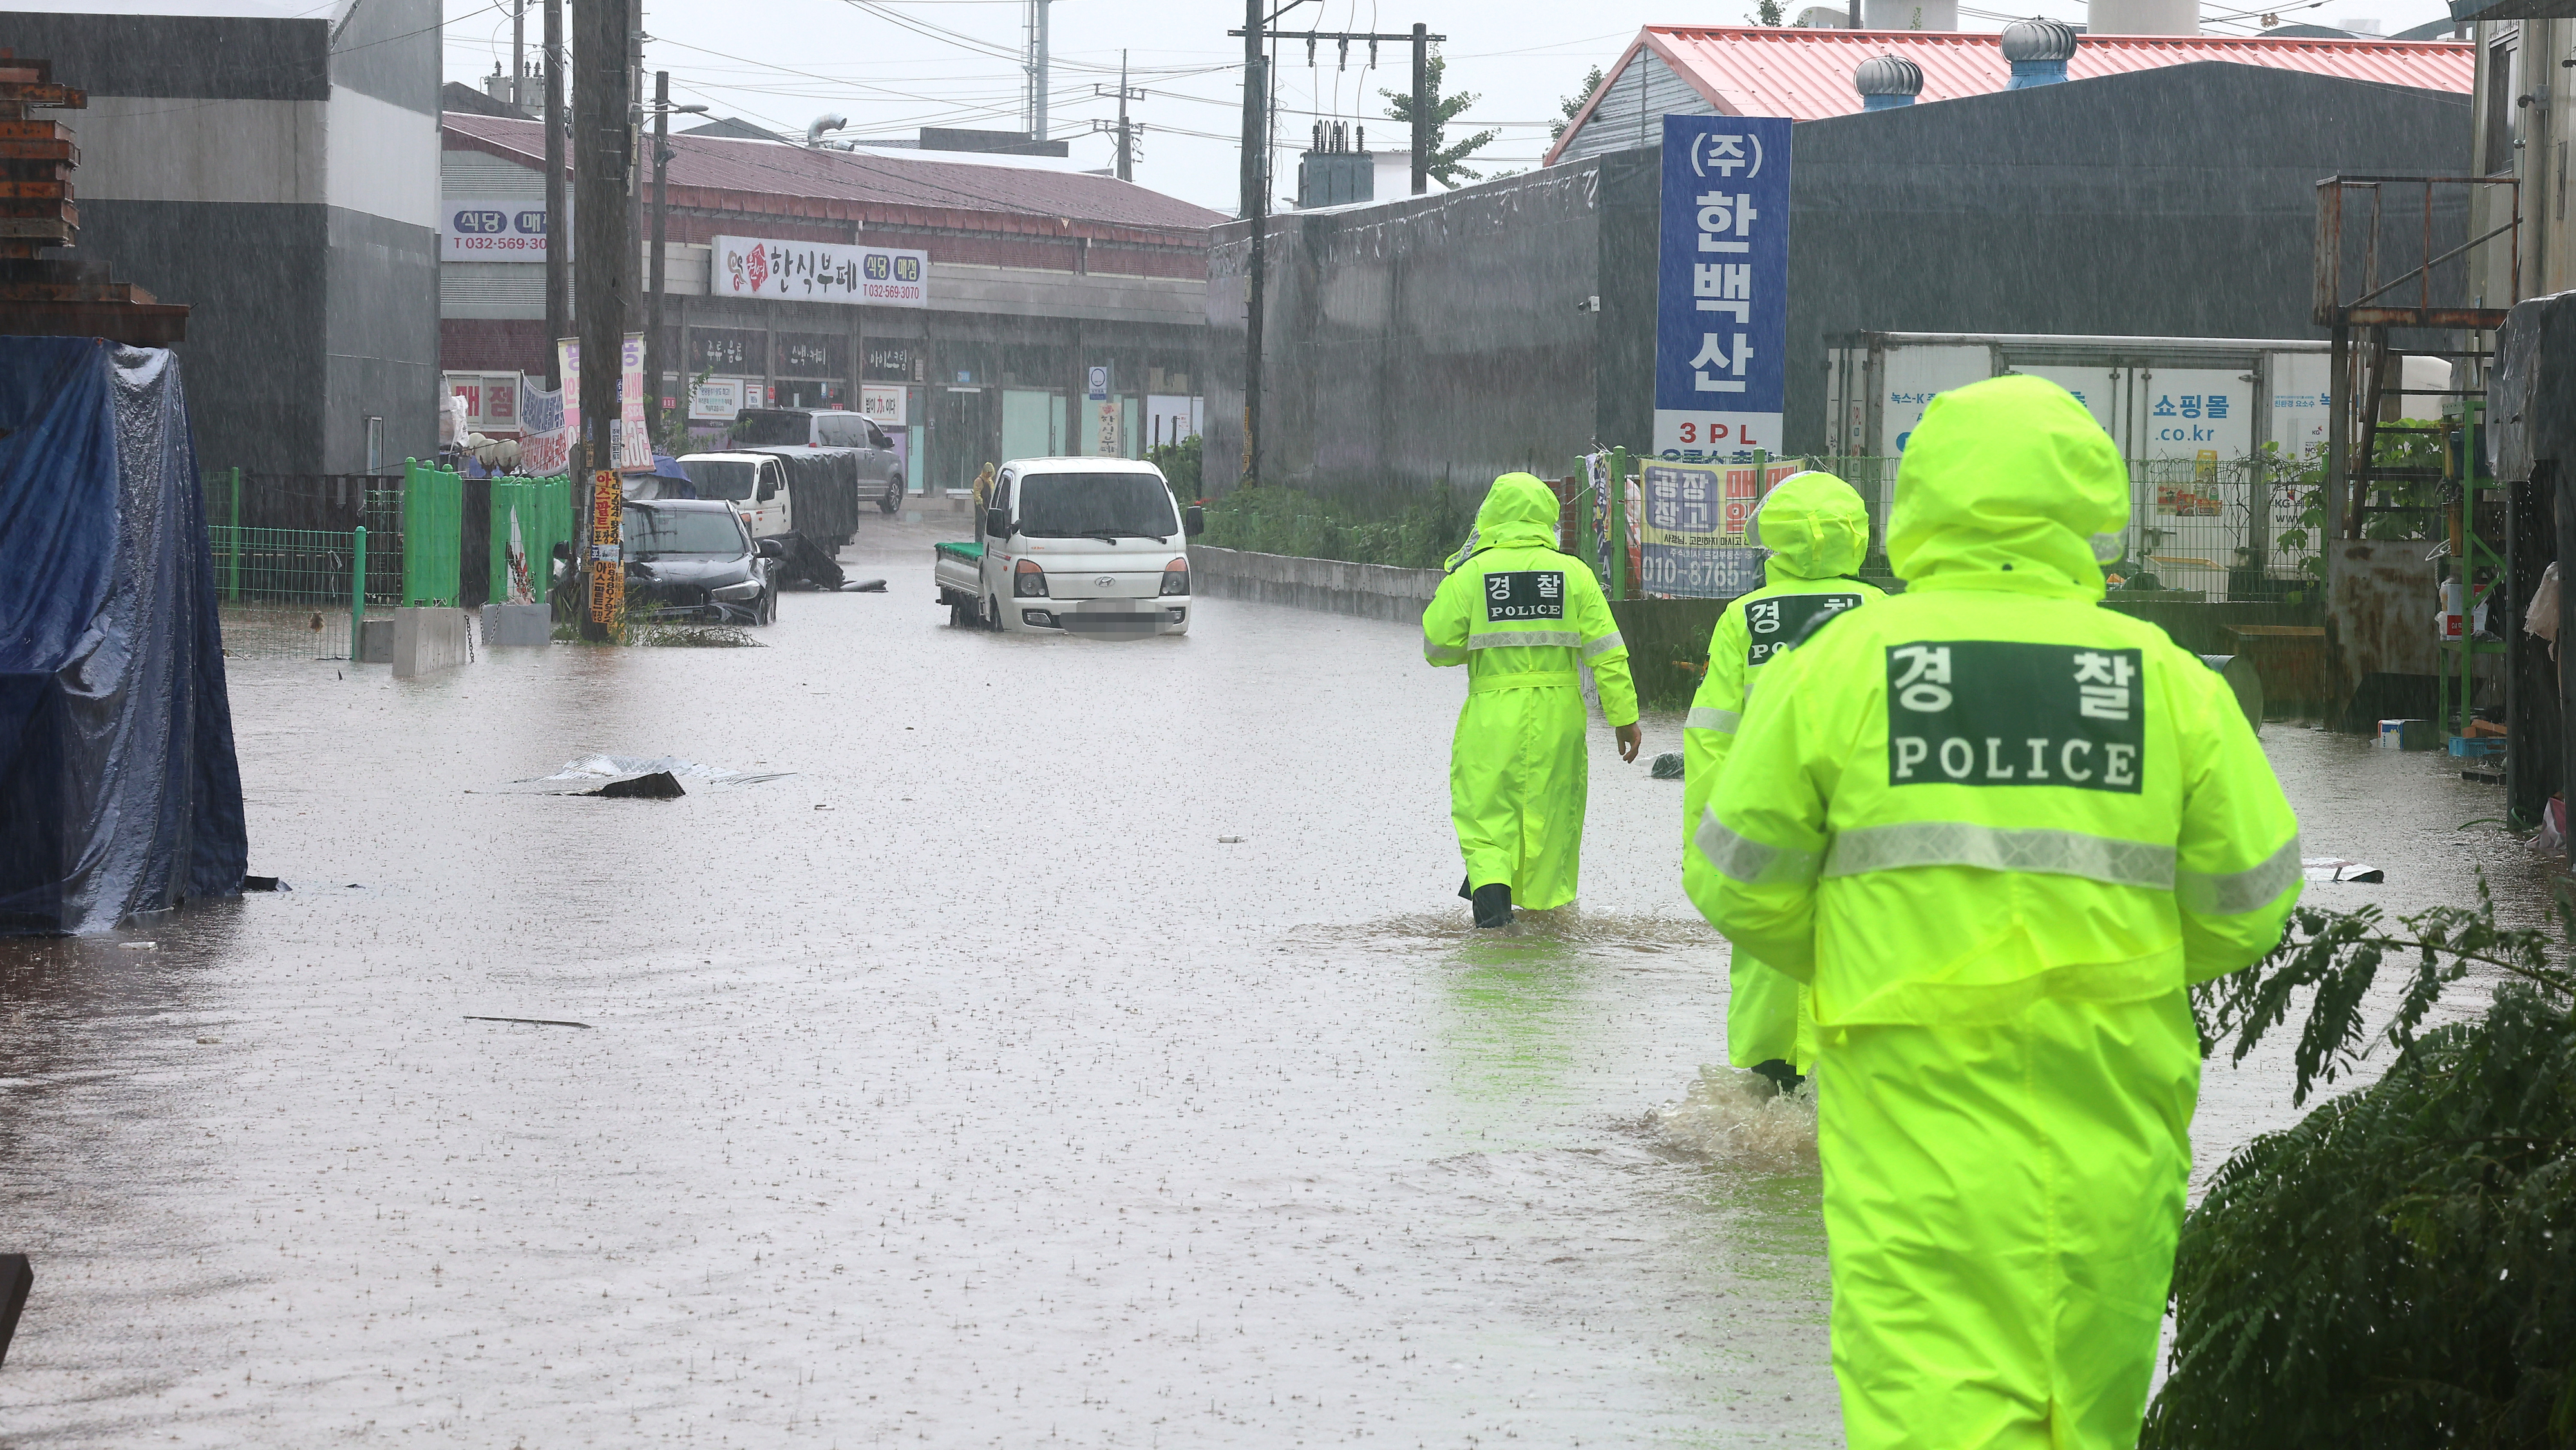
[1722, 288]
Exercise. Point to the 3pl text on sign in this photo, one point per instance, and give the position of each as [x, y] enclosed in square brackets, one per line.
[1722, 288]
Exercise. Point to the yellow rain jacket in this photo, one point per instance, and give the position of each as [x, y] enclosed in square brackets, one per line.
[1999, 828]
[1520, 615]
[1817, 530]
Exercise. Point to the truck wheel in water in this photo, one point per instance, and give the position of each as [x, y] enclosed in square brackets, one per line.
[993, 614]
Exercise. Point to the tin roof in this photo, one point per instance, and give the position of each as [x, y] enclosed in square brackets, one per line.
[787, 180]
[1806, 75]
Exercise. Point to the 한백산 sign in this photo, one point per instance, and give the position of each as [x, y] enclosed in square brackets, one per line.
[818, 272]
[1722, 288]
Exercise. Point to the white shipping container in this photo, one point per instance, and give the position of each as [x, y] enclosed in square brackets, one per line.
[2192, 415]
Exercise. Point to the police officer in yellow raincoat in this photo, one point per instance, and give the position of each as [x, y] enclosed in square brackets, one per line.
[1520, 615]
[1817, 530]
[2000, 829]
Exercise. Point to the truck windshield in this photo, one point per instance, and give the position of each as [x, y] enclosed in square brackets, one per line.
[651, 532]
[721, 477]
[764, 427]
[1070, 505]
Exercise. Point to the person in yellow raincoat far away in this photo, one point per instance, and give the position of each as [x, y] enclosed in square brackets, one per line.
[1817, 530]
[1999, 829]
[1520, 615]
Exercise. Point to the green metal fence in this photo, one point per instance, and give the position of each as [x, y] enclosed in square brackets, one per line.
[289, 593]
[433, 518]
[542, 508]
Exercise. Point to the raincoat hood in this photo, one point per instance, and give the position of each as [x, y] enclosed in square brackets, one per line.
[1815, 526]
[2008, 484]
[1519, 511]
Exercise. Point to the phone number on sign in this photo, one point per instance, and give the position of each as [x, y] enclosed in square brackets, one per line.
[496, 244]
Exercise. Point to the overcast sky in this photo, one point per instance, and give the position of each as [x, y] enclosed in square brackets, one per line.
[893, 66]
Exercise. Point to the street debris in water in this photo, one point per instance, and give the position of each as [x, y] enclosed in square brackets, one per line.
[2335, 868]
[1668, 766]
[697, 636]
[530, 1021]
[589, 774]
[659, 785]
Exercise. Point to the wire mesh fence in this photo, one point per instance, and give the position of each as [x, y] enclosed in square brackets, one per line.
[2229, 529]
[289, 593]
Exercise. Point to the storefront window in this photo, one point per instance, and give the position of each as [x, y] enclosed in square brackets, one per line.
[726, 350]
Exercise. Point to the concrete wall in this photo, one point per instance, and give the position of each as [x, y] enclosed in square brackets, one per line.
[428, 639]
[1371, 591]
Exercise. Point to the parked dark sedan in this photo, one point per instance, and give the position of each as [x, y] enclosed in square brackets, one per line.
[693, 559]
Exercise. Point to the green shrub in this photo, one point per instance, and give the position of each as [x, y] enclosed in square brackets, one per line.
[1285, 521]
[2399, 1268]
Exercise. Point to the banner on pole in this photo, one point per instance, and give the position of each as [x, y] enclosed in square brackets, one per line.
[1722, 288]
[607, 548]
[546, 448]
[634, 441]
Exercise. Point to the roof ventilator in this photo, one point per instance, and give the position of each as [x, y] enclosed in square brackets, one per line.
[2038, 50]
[1887, 81]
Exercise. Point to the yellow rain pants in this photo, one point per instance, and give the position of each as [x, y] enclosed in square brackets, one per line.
[2003, 1205]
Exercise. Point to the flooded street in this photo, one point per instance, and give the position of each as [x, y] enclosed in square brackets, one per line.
[968, 1086]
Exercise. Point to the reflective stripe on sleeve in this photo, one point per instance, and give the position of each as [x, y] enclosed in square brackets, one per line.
[2233, 893]
[1740, 858]
[1565, 637]
[2106, 859]
[1709, 717]
[1444, 654]
[1604, 644]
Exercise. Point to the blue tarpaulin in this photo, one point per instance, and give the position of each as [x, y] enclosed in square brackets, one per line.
[118, 788]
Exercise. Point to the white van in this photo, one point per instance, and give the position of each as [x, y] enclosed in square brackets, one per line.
[1074, 546]
[754, 483]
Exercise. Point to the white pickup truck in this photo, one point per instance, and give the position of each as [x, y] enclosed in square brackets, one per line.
[1074, 546]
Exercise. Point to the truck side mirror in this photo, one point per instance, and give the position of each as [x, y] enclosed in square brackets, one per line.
[1194, 521]
[997, 522]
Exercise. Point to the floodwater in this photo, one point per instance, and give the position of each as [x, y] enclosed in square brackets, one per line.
[967, 1086]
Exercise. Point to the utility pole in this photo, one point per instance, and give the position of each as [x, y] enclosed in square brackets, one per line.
[1256, 209]
[1422, 131]
[558, 236]
[1038, 69]
[519, 56]
[1256, 175]
[1126, 133]
[603, 145]
[653, 360]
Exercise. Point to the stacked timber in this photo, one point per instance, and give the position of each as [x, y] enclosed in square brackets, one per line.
[44, 296]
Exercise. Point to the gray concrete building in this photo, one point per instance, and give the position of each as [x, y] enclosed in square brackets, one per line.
[275, 168]
[1003, 285]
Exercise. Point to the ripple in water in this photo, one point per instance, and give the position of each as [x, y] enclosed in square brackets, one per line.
[1737, 1117]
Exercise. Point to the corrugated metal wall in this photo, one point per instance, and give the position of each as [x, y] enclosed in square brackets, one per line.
[1631, 115]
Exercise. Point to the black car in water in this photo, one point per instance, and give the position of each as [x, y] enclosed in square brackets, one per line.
[694, 559]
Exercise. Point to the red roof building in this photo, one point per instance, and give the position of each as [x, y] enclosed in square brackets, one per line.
[1806, 74]
[1026, 279]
